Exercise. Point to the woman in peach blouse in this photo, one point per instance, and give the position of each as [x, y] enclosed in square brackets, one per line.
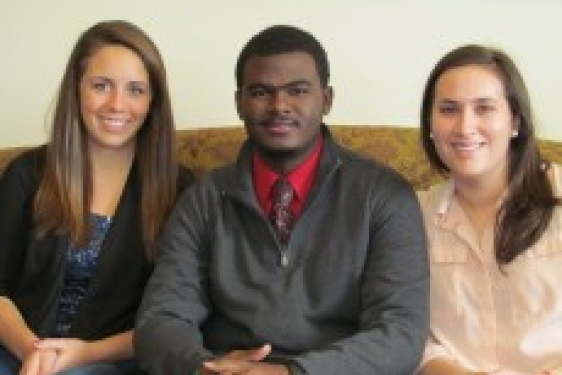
[494, 228]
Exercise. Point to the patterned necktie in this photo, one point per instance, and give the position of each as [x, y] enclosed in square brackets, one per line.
[281, 216]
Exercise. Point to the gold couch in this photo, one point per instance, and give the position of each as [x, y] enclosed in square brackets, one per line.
[399, 147]
[203, 149]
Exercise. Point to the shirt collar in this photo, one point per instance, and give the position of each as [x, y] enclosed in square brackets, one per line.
[446, 197]
[301, 177]
[447, 207]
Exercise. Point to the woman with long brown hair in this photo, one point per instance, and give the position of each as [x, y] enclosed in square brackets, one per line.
[81, 215]
[494, 227]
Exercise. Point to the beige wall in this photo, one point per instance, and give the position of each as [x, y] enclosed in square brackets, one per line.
[380, 50]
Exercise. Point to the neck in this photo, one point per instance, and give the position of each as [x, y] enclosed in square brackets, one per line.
[285, 161]
[479, 199]
[107, 162]
[109, 175]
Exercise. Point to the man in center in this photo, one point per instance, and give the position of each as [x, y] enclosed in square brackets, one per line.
[301, 257]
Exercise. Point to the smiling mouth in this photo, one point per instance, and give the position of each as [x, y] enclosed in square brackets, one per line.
[467, 146]
[280, 125]
[114, 124]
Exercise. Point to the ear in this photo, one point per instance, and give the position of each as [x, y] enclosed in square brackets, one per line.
[515, 126]
[328, 99]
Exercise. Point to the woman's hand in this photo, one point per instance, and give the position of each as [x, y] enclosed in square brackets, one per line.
[39, 362]
[69, 353]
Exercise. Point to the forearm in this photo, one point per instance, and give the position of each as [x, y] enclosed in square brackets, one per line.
[393, 318]
[116, 347]
[391, 348]
[15, 335]
[168, 348]
[168, 338]
[440, 366]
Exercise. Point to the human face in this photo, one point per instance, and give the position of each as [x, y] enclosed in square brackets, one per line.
[115, 98]
[472, 124]
[282, 102]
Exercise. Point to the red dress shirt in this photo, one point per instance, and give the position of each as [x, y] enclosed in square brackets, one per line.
[301, 178]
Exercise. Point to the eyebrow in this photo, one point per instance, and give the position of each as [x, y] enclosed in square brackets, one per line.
[300, 82]
[477, 100]
[109, 79]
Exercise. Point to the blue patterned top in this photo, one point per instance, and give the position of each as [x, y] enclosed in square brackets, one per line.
[81, 265]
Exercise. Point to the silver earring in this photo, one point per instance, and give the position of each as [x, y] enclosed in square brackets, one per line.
[430, 135]
[514, 134]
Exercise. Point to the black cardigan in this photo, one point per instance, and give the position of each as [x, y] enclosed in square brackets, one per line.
[32, 269]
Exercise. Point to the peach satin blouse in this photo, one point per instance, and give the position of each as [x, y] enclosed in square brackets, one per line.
[481, 318]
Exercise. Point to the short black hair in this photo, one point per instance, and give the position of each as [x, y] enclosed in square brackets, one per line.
[284, 39]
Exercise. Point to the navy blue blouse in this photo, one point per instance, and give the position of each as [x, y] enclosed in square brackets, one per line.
[81, 265]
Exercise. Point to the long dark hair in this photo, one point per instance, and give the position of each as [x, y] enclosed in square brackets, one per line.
[528, 208]
[62, 201]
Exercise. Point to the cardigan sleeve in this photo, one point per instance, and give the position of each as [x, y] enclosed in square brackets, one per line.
[17, 189]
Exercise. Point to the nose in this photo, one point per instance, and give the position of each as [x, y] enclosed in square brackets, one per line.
[280, 101]
[466, 122]
[116, 99]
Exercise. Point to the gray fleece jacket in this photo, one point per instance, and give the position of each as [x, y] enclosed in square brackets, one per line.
[352, 298]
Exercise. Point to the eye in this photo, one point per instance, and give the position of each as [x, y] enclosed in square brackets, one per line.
[258, 92]
[448, 109]
[298, 91]
[100, 85]
[484, 108]
[137, 89]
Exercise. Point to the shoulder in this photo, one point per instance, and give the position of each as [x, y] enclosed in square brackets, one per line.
[213, 182]
[376, 188]
[435, 198]
[354, 164]
[363, 168]
[28, 166]
[186, 177]
[21, 178]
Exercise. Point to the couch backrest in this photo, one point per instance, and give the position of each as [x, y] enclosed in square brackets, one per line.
[203, 149]
[399, 147]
